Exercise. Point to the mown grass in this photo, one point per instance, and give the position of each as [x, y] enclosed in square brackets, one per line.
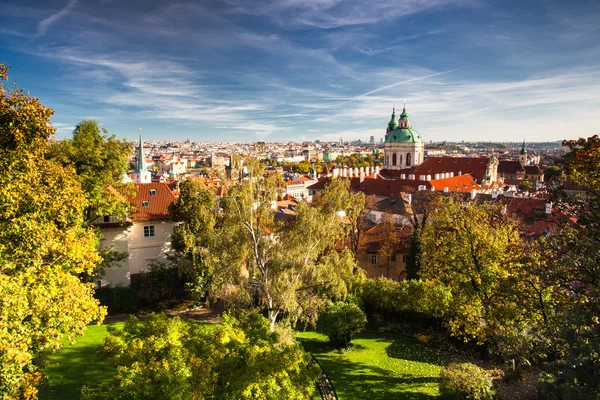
[379, 366]
[74, 366]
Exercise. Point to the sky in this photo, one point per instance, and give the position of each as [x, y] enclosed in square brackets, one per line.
[300, 70]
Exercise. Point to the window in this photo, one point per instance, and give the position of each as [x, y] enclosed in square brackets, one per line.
[106, 218]
[374, 259]
[146, 203]
[152, 192]
[393, 257]
[98, 284]
[404, 258]
[148, 230]
[394, 159]
[408, 159]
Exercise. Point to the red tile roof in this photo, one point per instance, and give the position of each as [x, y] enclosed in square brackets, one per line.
[158, 204]
[475, 166]
[461, 183]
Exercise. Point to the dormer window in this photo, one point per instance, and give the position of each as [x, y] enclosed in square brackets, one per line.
[146, 203]
[152, 192]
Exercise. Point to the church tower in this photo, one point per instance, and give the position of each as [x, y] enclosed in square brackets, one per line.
[142, 175]
[523, 155]
[404, 147]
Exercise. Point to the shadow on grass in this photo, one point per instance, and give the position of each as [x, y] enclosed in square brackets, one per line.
[356, 379]
[70, 369]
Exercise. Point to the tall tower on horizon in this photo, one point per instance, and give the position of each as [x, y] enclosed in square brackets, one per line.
[142, 175]
[404, 147]
[523, 155]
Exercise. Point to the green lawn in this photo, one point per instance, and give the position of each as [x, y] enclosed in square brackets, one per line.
[74, 366]
[379, 367]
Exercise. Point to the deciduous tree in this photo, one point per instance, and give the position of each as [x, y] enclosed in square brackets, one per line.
[44, 245]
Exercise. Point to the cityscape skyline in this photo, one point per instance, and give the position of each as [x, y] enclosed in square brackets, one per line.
[241, 71]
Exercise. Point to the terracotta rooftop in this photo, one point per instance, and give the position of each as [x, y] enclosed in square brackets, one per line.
[151, 201]
[475, 166]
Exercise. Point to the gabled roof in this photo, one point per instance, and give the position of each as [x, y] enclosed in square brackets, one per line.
[510, 167]
[158, 204]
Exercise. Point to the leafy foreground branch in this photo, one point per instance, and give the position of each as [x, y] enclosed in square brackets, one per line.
[163, 358]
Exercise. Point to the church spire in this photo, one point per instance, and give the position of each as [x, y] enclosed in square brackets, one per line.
[141, 159]
[523, 149]
[393, 124]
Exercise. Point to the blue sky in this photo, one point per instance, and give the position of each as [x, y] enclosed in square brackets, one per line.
[246, 70]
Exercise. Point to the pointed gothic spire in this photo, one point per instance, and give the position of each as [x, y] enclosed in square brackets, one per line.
[141, 159]
[523, 149]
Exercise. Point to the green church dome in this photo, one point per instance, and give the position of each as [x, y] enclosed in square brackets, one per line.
[403, 135]
[401, 131]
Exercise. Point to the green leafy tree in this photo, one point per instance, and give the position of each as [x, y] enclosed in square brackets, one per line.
[100, 161]
[44, 245]
[550, 172]
[290, 264]
[341, 322]
[474, 250]
[163, 358]
[194, 239]
[571, 263]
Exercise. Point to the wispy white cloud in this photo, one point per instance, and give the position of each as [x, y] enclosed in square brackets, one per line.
[46, 22]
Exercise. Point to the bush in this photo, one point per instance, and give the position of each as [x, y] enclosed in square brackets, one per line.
[158, 287]
[118, 299]
[466, 381]
[340, 322]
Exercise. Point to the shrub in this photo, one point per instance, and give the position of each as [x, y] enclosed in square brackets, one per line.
[118, 299]
[466, 381]
[340, 322]
[159, 286]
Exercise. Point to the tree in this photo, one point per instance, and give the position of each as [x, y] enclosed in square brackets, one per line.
[163, 358]
[338, 198]
[100, 161]
[474, 250]
[291, 265]
[340, 322]
[550, 172]
[572, 261]
[194, 239]
[44, 245]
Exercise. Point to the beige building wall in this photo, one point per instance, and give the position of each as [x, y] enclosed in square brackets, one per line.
[141, 250]
[395, 270]
[115, 238]
[144, 250]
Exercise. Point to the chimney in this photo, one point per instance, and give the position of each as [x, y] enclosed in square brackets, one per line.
[494, 195]
[421, 187]
[459, 173]
[437, 176]
[473, 194]
[345, 173]
[335, 172]
[451, 174]
[411, 177]
[356, 172]
[549, 208]
[421, 177]
[503, 211]
[361, 170]
[446, 189]
[428, 177]
[362, 176]
[407, 197]
[402, 176]
[377, 170]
